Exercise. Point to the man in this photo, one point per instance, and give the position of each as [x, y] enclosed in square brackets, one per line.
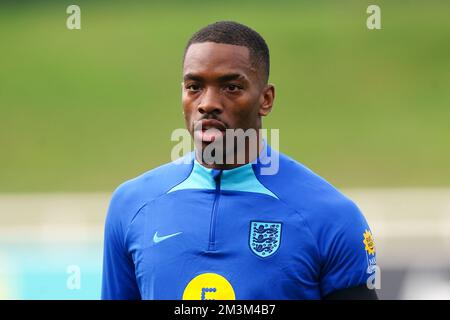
[222, 229]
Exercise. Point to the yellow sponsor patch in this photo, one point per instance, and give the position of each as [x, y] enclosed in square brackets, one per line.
[209, 286]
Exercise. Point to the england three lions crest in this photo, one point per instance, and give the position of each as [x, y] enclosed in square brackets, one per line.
[265, 237]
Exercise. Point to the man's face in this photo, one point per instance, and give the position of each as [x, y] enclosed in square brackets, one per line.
[222, 90]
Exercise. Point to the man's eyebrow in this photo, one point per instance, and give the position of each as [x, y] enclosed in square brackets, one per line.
[231, 76]
[191, 76]
[224, 78]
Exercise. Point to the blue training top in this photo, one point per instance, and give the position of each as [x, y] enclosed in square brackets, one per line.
[183, 231]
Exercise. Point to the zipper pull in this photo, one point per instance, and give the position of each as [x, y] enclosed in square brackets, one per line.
[217, 174]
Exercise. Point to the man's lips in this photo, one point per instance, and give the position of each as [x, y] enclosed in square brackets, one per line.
[206, 124]
[208, 130]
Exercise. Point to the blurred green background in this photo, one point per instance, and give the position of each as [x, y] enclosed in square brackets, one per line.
[84, 110]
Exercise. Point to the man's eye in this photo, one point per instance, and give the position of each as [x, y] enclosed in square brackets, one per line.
[233, 87]
[193, 87]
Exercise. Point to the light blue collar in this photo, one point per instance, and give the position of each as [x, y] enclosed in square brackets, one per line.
[240, 179]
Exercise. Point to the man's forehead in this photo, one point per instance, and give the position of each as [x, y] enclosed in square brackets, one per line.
[217, 58]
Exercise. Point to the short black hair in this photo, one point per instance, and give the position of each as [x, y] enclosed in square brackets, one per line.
[230, 32]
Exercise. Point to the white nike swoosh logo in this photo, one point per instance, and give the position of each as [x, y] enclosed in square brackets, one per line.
[157, 239]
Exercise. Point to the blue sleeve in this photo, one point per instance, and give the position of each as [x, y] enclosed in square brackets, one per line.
[118, 279]
[347, 249]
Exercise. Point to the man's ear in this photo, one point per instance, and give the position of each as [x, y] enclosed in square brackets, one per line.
[266, 100]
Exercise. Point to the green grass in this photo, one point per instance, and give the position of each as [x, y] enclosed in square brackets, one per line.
[84, 110]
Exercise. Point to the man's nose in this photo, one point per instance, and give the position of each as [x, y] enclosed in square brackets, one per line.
[210, 102]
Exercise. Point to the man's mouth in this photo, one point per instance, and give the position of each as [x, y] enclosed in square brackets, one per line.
[208, 130]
